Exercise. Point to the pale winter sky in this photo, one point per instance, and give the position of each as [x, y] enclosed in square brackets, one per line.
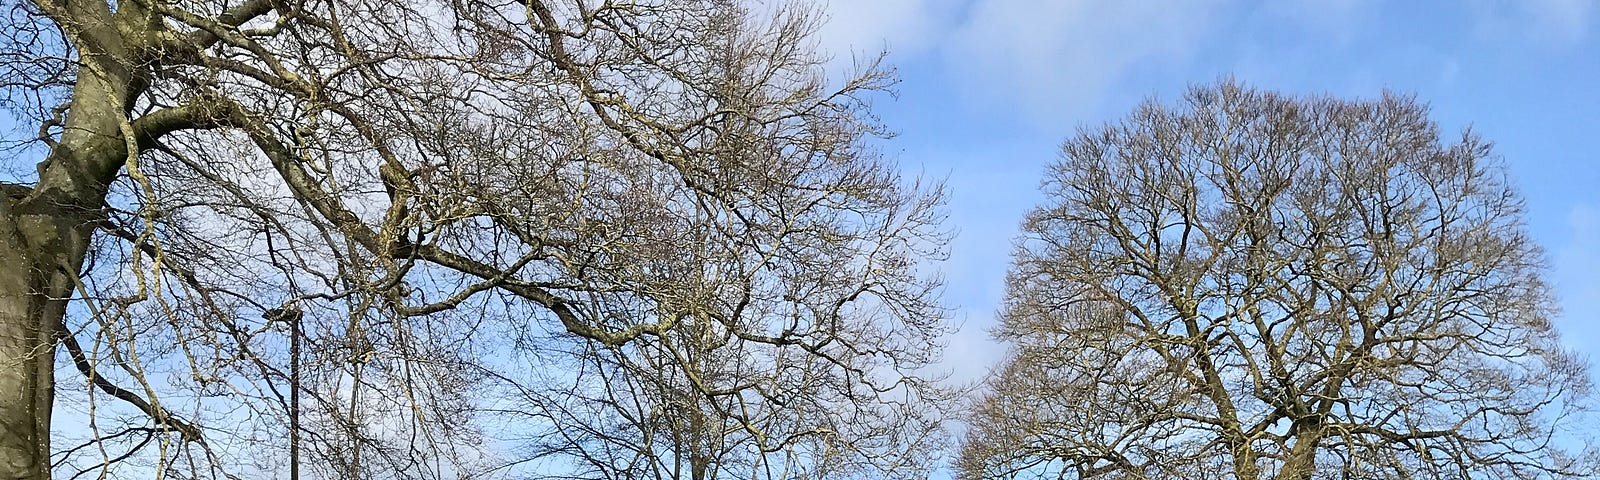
[989, 88]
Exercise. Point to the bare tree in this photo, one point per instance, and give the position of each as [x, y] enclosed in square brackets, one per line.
[1253, 285]
[413, 239]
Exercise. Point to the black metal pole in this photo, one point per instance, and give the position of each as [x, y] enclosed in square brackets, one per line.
[294, 396]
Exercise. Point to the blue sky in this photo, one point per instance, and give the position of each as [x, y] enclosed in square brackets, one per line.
[989, 88]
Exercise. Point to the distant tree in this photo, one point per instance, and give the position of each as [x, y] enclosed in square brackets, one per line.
[1252, 285]
[420, 239]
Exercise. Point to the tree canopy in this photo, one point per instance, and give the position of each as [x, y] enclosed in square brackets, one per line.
[413, 239]
[1249, 285]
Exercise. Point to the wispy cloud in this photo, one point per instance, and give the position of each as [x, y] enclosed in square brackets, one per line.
[1567, 20]
[1336, 21]
[1558, 22]
[1059, 58]
[1577, 261]
[903, 27]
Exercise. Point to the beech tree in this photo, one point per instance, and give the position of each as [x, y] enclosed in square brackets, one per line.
[418, 239]
[1253, 285]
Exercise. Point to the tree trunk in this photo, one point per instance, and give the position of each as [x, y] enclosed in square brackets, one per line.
[45, 231]
[1302, 459]
[1244, 463]
[37, 250]
[26, 352]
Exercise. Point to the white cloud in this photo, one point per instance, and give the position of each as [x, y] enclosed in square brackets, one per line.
[1338, 21]
[1560, 22]
[1057, 59]
[870, 26]
[1564, 19]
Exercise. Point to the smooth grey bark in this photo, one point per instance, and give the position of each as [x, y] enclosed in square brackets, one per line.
[45, 228]
[44, 235]
[30, 305]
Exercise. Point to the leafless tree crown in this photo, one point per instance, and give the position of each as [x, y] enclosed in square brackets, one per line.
[1253, 285]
